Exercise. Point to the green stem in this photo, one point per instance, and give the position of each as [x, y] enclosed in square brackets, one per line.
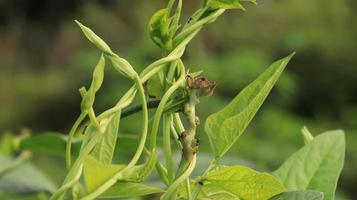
[198, 187]
[137, 108]
[76, 168]
[145, 116]
[107, 184]
[172, 189]
[70, 138]
[160, 109]
[166, 121]
[197, 25]
[188, 189]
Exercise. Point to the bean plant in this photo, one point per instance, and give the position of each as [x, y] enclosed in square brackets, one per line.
[167, 87]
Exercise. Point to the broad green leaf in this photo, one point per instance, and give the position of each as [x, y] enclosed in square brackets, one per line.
[128, 190]
[96, 40]
[225, 127]
[159, 29]
[315, 166]
[25, 179]
[49, 143]
[96, 173]
[225, 4]
[97, 80]
[104, 150]
[241, 182]
[300, 195]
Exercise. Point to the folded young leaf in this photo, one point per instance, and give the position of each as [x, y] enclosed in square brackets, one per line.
[240, 182]
[315, 166]
[224, 127]
[119, 63]
[97, 80]
[96, 40]
[96, 173]
[300, 195]
[159, 29]
[129, 190]
[104, 150]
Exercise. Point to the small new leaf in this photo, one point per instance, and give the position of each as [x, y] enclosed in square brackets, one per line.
[315, 166]
[122, 66]
[224, 127]
[159, 29]
[97, 80]
[95, 39]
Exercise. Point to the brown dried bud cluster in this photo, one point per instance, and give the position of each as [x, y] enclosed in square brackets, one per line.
[202, 84]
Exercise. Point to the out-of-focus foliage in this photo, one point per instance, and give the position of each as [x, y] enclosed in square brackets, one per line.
[43, 62]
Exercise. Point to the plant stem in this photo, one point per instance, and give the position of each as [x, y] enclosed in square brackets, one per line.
[70, 137]
[160, 109]
[167, 121]
[138, 152]
[198, 187]
[188, 140]
[172, 189]
[137, 108]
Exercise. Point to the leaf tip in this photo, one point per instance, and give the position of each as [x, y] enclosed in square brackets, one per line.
[78, 23]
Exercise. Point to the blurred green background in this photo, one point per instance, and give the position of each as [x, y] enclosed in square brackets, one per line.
[44, 59]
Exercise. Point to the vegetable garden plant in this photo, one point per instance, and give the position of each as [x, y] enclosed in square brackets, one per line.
[168, 88]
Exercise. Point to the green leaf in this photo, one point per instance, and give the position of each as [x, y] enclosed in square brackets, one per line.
[104, 150]
[129, 190]
[122, 66]
[225, 4]
[241, 182]
[315, 166]
[25, 179]
[119, 63]
[97, 80]
[96, 173]
[49, 143]
[96, 40]
[300, 195]
[159, 29]
[225, 127]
